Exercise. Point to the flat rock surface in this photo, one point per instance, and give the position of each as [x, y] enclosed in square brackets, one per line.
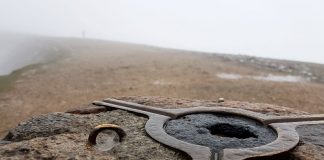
[311, 141]
[64, 135]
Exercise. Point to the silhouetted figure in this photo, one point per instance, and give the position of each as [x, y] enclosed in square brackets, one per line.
[83, 34]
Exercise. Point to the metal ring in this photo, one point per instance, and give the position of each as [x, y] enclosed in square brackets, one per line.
[94, 133]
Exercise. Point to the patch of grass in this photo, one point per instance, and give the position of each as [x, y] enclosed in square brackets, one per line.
[7, 81]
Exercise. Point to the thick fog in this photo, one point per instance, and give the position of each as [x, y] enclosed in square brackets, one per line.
[286, 29]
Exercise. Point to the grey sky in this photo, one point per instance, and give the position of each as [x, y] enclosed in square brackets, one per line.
[288, 29]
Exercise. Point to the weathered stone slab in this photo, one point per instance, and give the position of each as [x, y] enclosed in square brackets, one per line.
[63, 135]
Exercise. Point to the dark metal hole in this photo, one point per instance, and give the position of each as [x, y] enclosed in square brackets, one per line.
[229, 130]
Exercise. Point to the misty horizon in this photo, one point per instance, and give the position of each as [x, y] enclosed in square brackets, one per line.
[290, 30]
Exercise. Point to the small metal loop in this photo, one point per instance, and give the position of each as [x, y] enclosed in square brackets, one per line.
[94, 133]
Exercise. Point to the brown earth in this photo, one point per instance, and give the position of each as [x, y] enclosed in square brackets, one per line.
[93, 70]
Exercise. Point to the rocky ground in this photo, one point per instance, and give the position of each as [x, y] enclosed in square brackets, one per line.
[94, 69]
[64, 135]
[311, 72]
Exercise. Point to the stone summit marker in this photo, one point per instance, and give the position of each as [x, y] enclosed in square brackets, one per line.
[181, 129]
